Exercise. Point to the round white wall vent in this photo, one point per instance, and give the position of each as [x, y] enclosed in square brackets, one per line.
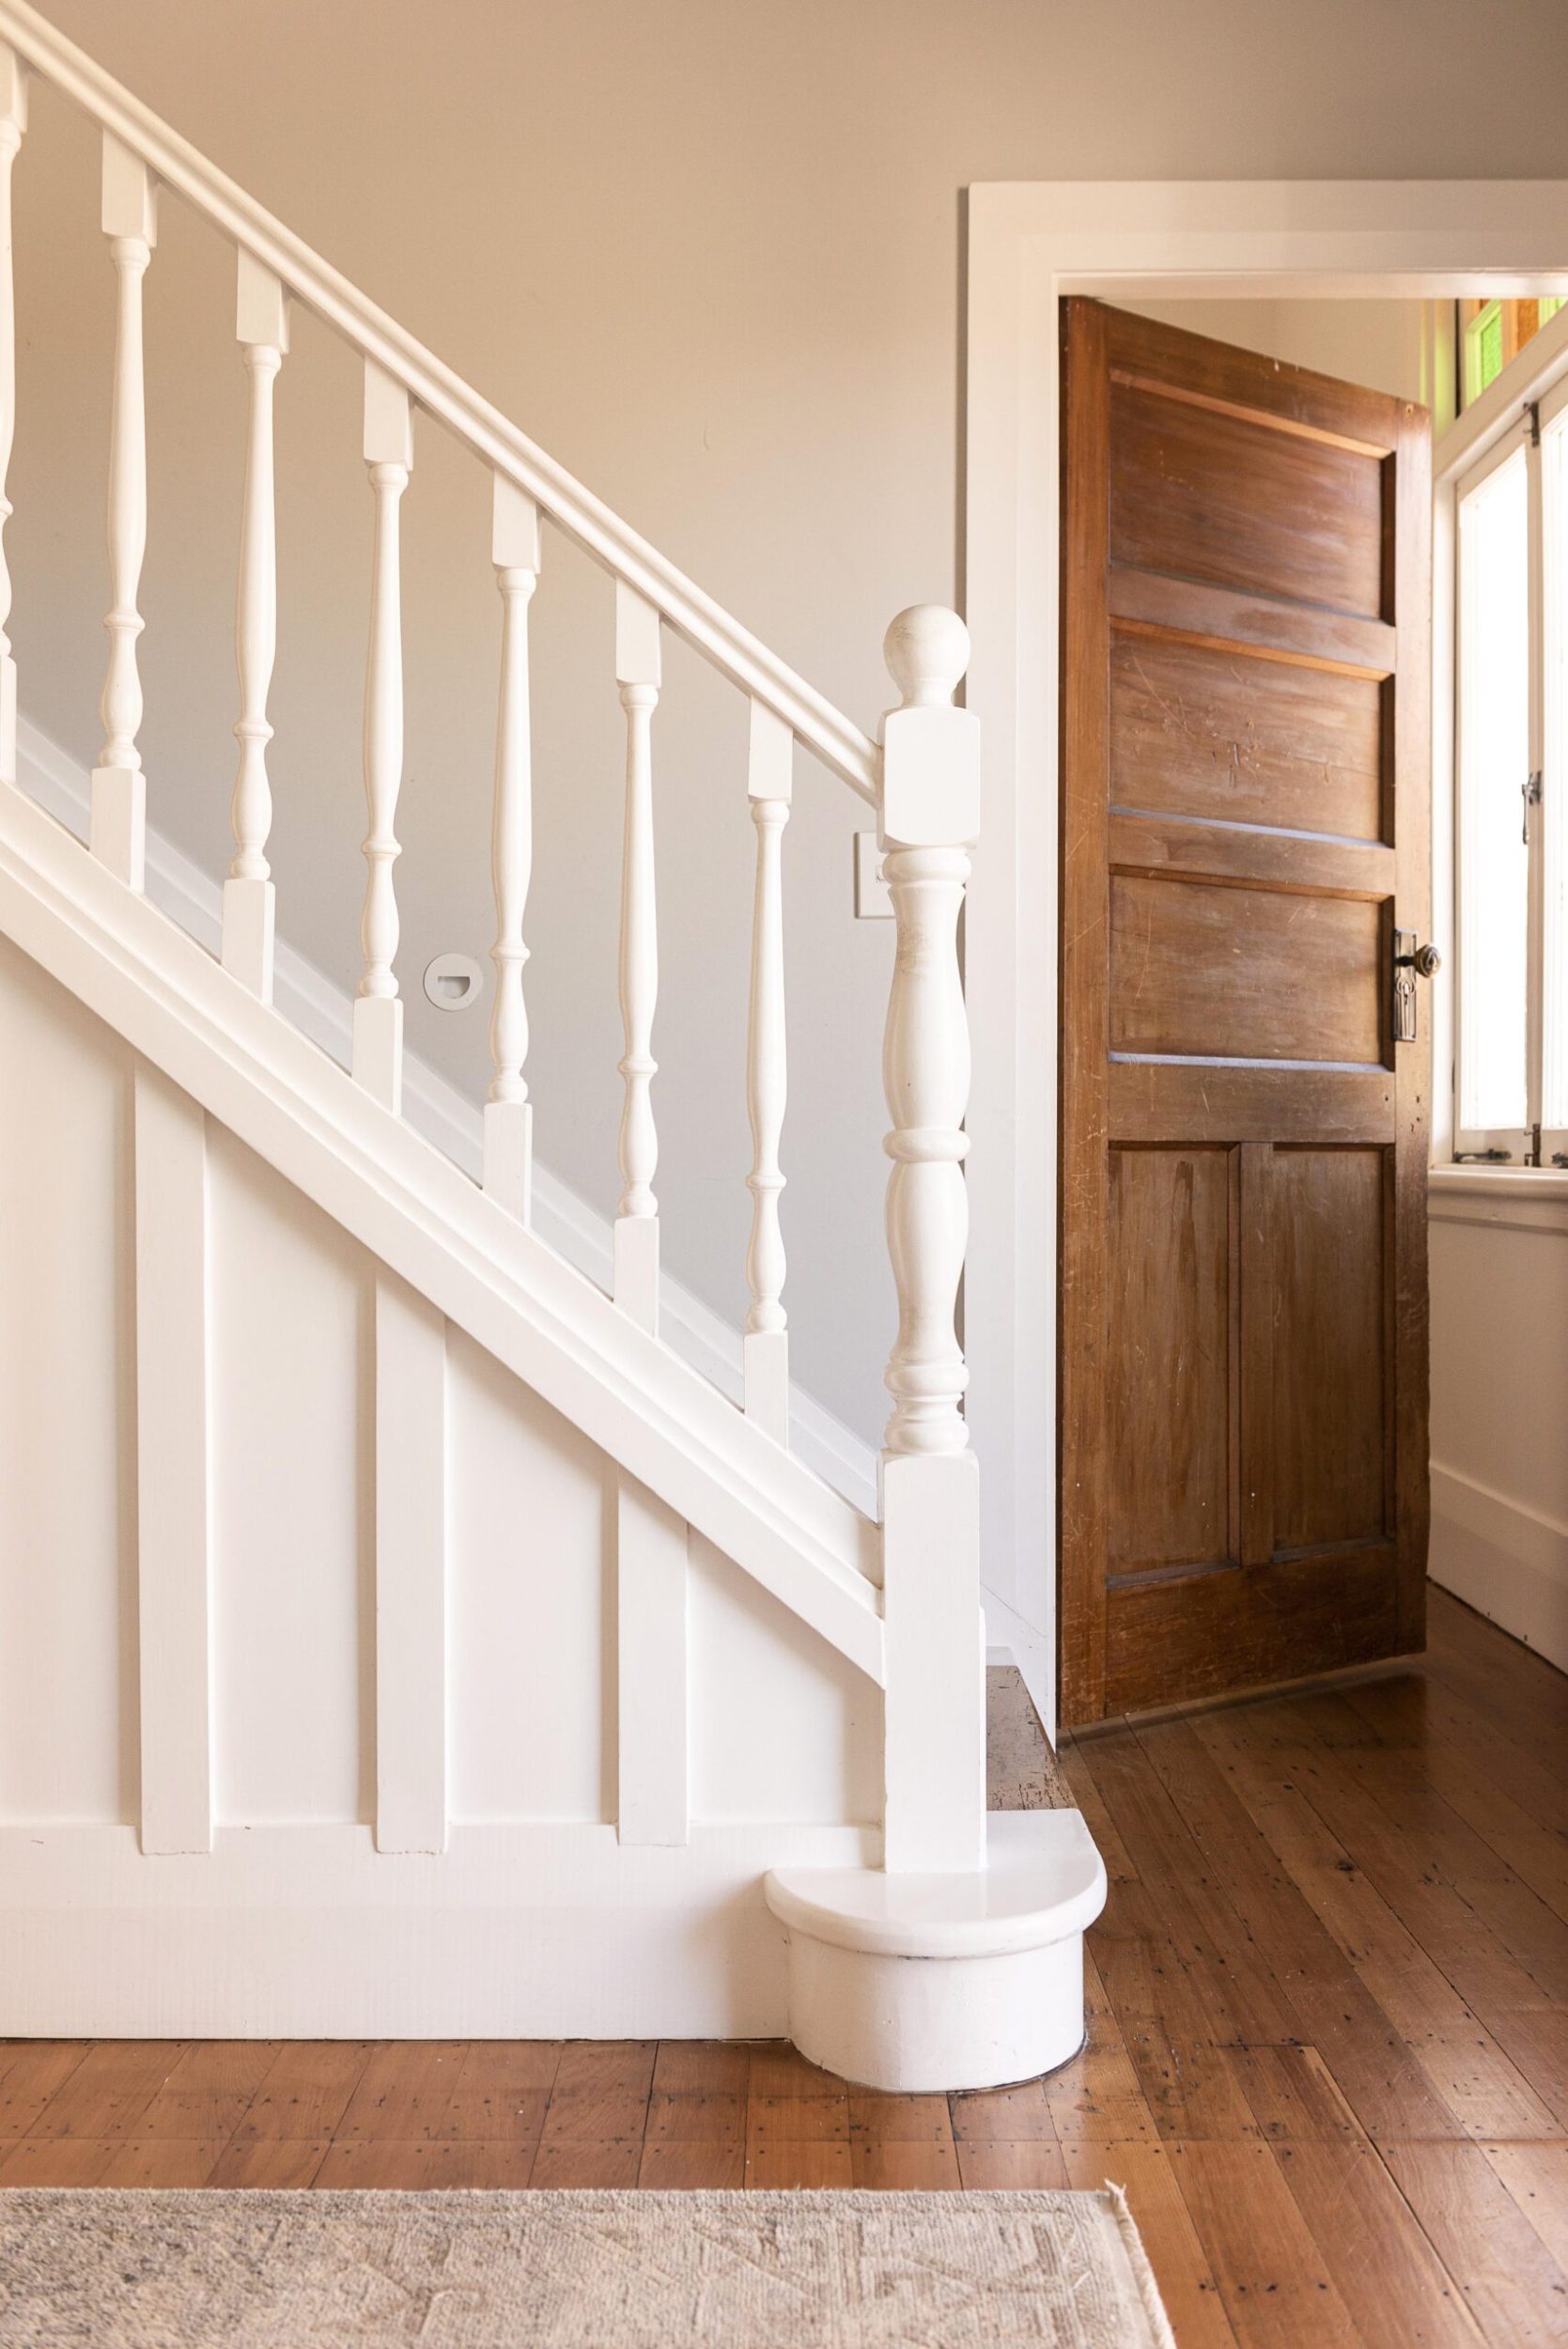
[451, 982]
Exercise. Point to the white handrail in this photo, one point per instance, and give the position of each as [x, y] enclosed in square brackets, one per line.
[739, 655]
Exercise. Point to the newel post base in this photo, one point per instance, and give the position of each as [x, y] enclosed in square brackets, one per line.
[927, 1985]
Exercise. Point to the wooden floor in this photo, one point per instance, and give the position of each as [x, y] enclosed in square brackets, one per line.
[1327, 2058]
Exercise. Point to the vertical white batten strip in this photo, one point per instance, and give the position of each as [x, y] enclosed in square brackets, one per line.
[411, 1570]
[769, 776]
[173, 1467]
[935, 1713]
[652, 1582]
[378, 1058]
[637, 674]
[509, 1162]
[261, 328]
[117, 830]
[14, 121]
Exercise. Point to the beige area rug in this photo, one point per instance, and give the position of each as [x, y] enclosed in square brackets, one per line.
[137, 2269]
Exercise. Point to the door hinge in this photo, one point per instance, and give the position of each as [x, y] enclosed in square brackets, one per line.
[1532, 420]
[1529, 791]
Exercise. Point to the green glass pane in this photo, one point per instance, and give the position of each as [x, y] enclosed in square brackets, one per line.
[1488, 349]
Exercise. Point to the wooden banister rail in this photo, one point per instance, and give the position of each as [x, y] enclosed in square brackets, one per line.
[682, 605]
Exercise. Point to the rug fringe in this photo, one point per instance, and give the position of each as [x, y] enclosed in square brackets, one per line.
[1144, 2274]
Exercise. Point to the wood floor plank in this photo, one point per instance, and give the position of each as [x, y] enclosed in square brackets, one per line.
[31, 2072]
[270, 2161]
[682, 2164]
[585, 2162]
[1398, 2048]
[414, 2165]
[1024, 2166]
[781, 2166]
[715, 2118]
[685, 2067]
[106, 2093]
[209, 2091]
[1097, 2095]
[1182, 2266]
[403, 2090]
[1535, 2178]
[1008, 2115]
[305, 2090]
[1272, 2275]
[1510, 2283]
[903, 2165]
[1396, 2288]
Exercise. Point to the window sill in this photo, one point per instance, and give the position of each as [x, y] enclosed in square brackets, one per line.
[1525, 1198]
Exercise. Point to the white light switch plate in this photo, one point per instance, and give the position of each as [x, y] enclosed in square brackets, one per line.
[872, 902]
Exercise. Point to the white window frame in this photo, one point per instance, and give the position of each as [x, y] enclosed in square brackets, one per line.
[1518, 407]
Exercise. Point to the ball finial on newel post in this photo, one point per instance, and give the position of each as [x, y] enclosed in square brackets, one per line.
[927, 652]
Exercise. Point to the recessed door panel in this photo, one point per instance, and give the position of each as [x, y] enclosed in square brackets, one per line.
[1329, 1217]
[1200, 969]
[1201, 494]
[1169, 1364]
[1232, 737]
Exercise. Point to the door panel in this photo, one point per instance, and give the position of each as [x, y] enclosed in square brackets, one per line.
[1243, 1303]
[1170, 1311]
[1330, 1437]
[1228, 734]
[1200, 493]
[1235, 974]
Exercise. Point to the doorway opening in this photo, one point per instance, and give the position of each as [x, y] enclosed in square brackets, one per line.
[1281, 249]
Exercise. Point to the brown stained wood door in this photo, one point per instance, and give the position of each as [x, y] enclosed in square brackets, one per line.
[1243, 1347]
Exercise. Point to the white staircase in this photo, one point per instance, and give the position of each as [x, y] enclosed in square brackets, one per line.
[395, 1635]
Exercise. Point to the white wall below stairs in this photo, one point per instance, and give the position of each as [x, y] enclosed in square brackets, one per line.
[784, 1736]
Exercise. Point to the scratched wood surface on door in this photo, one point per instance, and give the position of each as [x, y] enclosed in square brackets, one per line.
[1245, 823]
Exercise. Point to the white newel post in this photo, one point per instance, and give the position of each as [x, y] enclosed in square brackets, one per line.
[117, 824]
[508, 1112]
[261, 328]
[14, 121]
[766, 1344]
[637, 675]
[936, 1713]
[377, 1047]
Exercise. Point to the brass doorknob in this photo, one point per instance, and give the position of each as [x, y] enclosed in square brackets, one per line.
[1427, 961]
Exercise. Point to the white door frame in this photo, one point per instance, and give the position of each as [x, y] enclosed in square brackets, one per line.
[1030, 243]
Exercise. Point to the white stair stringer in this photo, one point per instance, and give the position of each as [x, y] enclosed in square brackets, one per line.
[403, 1201]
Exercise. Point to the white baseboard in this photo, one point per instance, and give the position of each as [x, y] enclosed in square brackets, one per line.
[1507, 1562]
[517, 1932]
[323, 1012]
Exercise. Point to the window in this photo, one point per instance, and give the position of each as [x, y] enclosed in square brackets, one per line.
[1493, 332]
[1513, 792]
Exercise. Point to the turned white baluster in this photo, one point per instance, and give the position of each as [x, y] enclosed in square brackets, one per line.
[377, 1059]
[117, 828]
[766, 1342]
[14, 121]
[637, 674]
[261, 328]
[934, 1717]
[508, 1113]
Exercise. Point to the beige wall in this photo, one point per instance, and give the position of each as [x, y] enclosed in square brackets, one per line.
[709, 256]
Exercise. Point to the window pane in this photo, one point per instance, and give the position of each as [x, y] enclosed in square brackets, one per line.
[1494, 761]
[1553, 808]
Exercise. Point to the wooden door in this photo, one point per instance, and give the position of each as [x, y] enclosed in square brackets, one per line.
[1245, 825]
